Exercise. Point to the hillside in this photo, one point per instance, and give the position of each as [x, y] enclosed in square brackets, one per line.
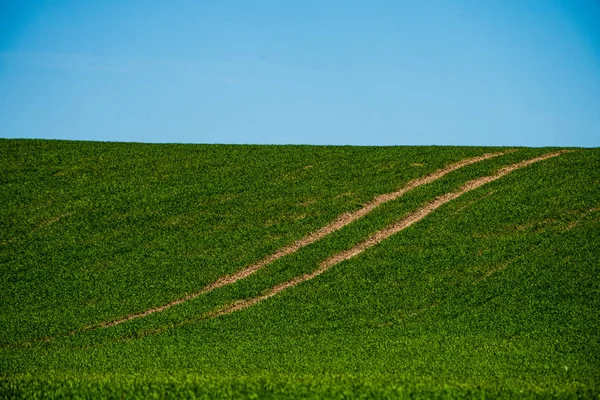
[298, 271]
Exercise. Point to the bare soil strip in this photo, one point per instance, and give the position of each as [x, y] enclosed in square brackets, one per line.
[40, 226]
[381, 235]
[50, 221]
[337, 224]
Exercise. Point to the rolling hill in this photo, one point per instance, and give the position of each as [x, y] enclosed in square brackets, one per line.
[185, 271]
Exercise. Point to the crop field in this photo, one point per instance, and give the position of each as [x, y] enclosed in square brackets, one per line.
[251, 271]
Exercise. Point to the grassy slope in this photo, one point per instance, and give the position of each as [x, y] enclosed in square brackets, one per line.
[495, 292]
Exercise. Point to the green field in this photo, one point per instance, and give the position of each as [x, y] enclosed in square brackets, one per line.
[494, 294]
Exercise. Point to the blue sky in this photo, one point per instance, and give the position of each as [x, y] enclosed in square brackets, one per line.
[511, 72]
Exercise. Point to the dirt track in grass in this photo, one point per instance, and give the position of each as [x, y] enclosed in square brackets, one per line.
[337, 224]
[383, 234]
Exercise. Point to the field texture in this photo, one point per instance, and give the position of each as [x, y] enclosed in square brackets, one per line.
[205, 271]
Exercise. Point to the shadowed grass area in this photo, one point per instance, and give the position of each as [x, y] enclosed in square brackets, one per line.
[494, 294]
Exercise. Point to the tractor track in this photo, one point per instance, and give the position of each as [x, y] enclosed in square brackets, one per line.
[337, 224]
[381, 235]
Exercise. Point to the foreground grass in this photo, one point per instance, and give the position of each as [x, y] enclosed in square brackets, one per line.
[494, 294]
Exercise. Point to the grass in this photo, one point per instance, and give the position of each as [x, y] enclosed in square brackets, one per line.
[495, 294]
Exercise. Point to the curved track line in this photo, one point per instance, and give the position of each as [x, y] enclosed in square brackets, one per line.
[337, 224]
[381, 235]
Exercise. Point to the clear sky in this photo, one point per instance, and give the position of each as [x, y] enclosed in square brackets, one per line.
[479, 72]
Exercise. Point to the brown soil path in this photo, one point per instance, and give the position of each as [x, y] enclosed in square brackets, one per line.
[381, 235]
[337, 224]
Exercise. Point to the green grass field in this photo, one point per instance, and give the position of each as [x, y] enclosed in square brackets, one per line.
[495, 294]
